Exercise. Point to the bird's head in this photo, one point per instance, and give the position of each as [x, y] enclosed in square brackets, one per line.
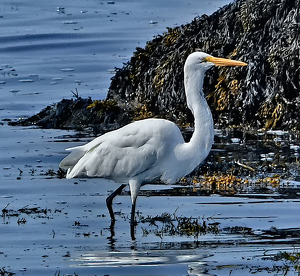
[202, 61]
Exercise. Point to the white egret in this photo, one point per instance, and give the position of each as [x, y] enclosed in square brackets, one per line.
[152, 149]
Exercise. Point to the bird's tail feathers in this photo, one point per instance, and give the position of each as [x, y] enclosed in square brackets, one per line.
[70, 161]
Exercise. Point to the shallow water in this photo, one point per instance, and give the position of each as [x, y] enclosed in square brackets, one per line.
[50, 224]
[49, 49]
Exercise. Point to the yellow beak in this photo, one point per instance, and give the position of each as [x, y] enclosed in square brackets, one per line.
[225, 62]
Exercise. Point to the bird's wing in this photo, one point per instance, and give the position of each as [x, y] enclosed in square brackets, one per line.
[124, 153]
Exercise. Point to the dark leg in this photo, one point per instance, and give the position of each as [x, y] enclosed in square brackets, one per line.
[110, 198]
[132, 221]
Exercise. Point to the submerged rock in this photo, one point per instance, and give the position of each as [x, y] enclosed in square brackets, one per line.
[265, 94]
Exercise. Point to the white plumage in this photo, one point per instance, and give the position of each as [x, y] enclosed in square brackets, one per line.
[153, 149]
[127, 152]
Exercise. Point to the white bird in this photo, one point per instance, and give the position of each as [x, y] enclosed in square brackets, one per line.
[152, 149]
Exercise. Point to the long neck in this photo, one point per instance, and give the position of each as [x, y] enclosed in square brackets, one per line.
[202, 138]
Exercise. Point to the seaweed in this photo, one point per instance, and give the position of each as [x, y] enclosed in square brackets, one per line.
[265, 94]
[4, 272]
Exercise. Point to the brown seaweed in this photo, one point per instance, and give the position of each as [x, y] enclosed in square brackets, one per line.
[263, 95]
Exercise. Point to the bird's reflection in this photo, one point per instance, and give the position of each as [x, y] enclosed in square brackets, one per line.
[111, 240]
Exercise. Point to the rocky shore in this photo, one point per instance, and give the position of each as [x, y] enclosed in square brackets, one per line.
[265, 94]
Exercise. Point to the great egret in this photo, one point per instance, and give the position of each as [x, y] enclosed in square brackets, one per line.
[151, 149]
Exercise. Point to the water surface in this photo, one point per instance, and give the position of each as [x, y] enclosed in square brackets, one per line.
[51, 225]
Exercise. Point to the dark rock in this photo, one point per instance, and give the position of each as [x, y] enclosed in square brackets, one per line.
[100, 116]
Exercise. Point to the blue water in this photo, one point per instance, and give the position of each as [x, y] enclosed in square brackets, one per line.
[50, 48]
[47, 50]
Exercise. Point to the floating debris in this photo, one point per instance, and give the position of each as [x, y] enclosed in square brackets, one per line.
[40, 212]
[171, 225]
[21, 221]
[5, 272]
[245, 166]
[60, 10]
[67, 69]
[70, 22]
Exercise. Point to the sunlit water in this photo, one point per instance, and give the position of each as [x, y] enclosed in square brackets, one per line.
[47, 50]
